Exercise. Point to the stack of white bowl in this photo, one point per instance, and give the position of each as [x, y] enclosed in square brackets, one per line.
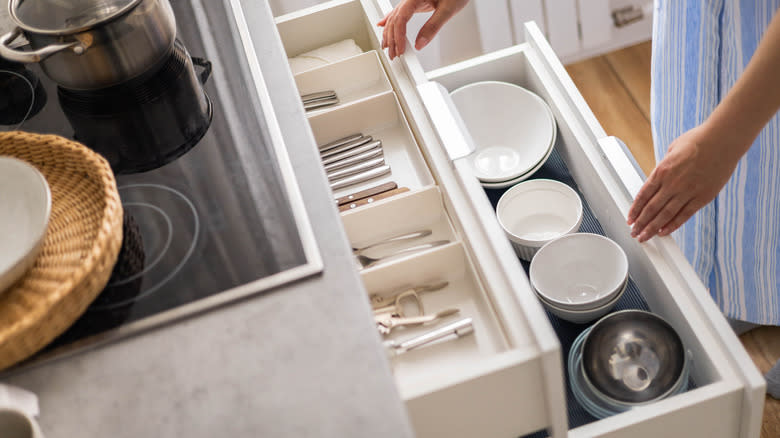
[513, 129]
[579, 277]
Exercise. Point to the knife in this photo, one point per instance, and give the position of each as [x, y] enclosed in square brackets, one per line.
[372, 199]
[345, 147]
[346, 162]
[328, 94]
[341, 141]
[320, 103]
[352, 152]
[360, 177]
[358, 168]
[371, 191]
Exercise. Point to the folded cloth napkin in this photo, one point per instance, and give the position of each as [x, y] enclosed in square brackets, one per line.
[324, 55]
[18, 398]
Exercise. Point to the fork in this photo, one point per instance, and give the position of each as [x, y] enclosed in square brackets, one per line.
[366, 261]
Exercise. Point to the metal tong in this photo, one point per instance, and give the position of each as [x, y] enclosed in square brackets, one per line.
[454, 330]
[320, 99]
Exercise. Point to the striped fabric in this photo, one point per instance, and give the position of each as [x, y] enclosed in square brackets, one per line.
[700, 47]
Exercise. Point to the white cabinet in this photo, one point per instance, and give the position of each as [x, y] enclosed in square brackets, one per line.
[508, 379]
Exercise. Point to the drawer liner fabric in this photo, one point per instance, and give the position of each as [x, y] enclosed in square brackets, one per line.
[555, 168]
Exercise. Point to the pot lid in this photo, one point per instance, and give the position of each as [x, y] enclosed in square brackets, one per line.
[66, 16]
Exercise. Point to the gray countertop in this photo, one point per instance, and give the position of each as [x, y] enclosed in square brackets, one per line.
[303, 360]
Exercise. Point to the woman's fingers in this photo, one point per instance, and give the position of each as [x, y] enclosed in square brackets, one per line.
[668, 212]
[646, 193]
[685, 213]
[402, 16]
[432, 27]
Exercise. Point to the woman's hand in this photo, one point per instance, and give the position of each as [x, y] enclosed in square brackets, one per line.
[696, 167]
[394, 23]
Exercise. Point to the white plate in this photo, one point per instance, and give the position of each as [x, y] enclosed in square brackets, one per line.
[25, 201]
[512, 127]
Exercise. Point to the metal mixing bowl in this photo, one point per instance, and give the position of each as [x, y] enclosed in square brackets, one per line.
[633, 357]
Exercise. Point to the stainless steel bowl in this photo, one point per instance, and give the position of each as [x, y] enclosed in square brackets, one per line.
[633, 357]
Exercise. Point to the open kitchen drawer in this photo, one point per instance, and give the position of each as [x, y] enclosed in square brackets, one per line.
[509, 380]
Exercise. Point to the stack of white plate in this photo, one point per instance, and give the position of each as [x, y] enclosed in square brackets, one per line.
[514, 131]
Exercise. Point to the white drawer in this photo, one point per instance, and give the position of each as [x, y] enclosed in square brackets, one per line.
[508, 380]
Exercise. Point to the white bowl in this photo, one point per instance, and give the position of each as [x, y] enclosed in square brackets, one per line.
[535, 212]
[26, 206]
[579, 271]
[584, 315]
[512, 127]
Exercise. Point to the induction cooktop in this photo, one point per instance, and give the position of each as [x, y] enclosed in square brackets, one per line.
[212, 222]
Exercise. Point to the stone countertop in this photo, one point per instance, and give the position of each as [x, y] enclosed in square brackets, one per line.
[303, 360]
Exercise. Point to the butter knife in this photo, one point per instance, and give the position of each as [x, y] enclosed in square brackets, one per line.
[320, 95]
[353, 170]
[320, 104]
[352, 152]
[339, 142]
[345, 147]
[360, 177]
[355, 159]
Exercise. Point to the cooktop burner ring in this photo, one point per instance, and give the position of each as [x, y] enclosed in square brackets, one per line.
[160, 255]
[169, 239]
[31, 87]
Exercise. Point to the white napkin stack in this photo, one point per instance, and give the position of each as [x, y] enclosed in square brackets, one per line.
[324, 55]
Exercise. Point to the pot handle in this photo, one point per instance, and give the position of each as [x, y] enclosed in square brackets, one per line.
[206, 65]
[36, 55]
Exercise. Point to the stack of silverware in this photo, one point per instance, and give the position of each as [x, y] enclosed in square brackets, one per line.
[320, 99]
[353, 160]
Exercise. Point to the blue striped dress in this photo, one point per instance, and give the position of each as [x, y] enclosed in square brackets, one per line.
[700, 47]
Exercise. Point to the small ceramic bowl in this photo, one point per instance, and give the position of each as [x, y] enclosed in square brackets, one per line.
[582, 316]
[536, 212]
[512, 128]
[24, 217]
[579, 271]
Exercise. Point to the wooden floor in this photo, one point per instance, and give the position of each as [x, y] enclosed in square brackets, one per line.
[617, 88]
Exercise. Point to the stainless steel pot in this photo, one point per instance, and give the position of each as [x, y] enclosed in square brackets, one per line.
[91, 44]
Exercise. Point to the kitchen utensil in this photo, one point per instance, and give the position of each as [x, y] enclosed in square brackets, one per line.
[451, 331]
[579, 271]
[341, 141]
[321, 103]
[79, 249]
[342, 151]
[15, 423]
[372, 199]
[360, 178]
[340, 174]
[372, 191]
[511, 126]
[171, 105]
[535, 212]
[320, 95]
[385, 323]
[89, 44]
[366, 261]
[633, 357]
[24, 217]
[346, 162]
[352, 152]
[381, 300]
[394, 239]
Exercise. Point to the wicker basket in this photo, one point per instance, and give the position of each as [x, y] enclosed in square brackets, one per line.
[79, 251]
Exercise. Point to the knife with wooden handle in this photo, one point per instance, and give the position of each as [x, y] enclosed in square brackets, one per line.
[371, 191]
[372, 199]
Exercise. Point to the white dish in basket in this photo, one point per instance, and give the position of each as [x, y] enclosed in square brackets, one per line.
[25, 207]
[512, 128]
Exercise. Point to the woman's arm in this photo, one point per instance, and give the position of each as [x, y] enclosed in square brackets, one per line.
[700, 162]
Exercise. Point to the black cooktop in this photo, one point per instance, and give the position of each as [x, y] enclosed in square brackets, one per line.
[217, 216]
